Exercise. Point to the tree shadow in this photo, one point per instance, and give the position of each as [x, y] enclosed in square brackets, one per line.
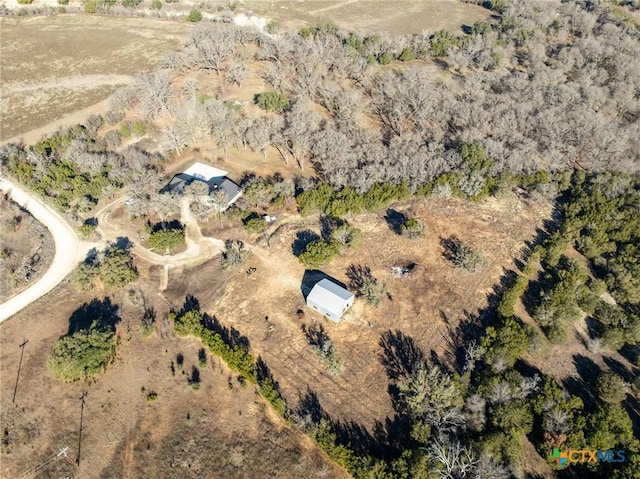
[400, 354]
[315, 334]
[303, 238]
[191, 303]
[313, 276]
[594, 327]
[387, 441]
[533, 293]
[167, 225]
[194, 378]
[358, 275]
[395, 219]
[101, 314]
[230, 335]
[631, 353]
[392, 436]
[583, 385]
[618, 368]
[328, 224]
[263, 372]
[92, 257]
[451, 246]
[360, 440]
[470, 329]
[309, 407]
[123, 243]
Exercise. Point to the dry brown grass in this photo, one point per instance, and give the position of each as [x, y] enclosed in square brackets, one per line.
[24, 241]
[55, 66]
[375, 16]
[219, 431]
[437, 296]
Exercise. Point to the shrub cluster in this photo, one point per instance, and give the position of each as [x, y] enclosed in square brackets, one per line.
[165, 238]
[114, 266]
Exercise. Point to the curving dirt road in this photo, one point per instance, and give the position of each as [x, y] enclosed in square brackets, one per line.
[69, 250]
[199, 248]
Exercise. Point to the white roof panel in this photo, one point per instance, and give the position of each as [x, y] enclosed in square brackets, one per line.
[330, 296]
[204, 172]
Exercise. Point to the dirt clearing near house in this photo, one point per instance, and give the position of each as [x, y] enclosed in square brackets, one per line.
[56, 65]
[374, 16]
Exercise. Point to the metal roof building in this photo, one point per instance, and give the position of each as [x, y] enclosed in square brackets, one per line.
[330, 299]
[213, 177]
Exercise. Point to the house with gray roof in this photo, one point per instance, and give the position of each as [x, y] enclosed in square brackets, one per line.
[330, 299]
[215, 178]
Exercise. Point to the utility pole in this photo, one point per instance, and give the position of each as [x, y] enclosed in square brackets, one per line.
[84, 395]
[264, 233]
[15, 390]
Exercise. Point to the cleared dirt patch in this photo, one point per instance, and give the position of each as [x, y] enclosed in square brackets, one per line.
[374, 16]
[56, 65]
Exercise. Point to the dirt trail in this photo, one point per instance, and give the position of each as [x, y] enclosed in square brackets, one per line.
[199, 248]
[69, 250]
[78, 81]
[74, 118]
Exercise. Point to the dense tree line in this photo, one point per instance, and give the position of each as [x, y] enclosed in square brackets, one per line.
[75, 167]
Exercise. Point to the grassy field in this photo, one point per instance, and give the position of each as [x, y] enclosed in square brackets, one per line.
[375, 16]
[222, 430]
[53, 67]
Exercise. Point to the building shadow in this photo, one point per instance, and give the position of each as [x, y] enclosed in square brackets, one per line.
[313, 276]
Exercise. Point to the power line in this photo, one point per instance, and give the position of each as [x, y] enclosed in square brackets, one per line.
[35, 471]
[15, 390]
[84, 395]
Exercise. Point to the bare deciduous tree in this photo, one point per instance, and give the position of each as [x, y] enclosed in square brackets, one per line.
[456, 460]
[155, 94]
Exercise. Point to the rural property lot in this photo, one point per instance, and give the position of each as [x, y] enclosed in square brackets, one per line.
[223, 430]
[423, 306]
[56, 65]
[375, 16]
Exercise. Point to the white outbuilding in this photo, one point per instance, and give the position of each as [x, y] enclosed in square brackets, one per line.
[330, 299]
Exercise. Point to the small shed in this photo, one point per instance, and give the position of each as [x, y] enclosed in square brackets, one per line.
[330, 299]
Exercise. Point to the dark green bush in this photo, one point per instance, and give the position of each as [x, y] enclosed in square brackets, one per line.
[273, 101]
[318, 253]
